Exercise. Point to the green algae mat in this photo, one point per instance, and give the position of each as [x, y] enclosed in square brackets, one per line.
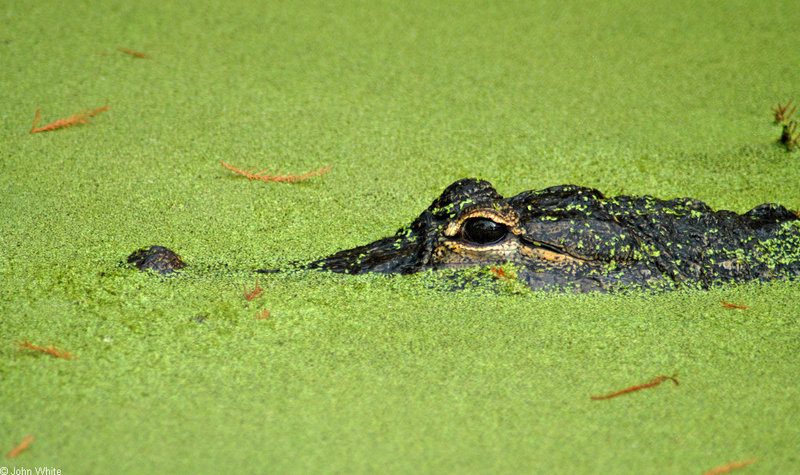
[332, 373]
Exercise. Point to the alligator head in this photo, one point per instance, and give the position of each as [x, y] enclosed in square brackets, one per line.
[571, 237]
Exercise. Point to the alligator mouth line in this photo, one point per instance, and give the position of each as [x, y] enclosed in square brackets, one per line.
[548, 252]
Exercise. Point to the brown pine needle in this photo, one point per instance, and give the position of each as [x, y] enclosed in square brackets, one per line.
[499, 273]
[277, 177]
[729, 467]
[788, 138]
[250, 295]
[655, 382]
[51, 350]
[731, 305]
[81, 117]
[133, 53]
[22, 446]
[780, 112]
[263, 315]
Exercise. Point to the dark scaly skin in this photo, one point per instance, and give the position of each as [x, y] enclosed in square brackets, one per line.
[574, 238]
[156, 258]
[571, 237]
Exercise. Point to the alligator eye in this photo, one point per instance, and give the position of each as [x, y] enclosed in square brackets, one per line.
[483, 231]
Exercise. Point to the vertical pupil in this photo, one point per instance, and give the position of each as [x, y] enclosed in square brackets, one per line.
[484, 231]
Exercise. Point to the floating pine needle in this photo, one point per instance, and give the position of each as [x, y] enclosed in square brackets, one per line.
[780, 112]
[276, 178]
[81, 117]
[655, 382]
[729, 467]
[499, 273]
[731, 305]
[263, 315]
[250, 295]
[51, 350]
[22, 446]
[790, 138]
[133, 53]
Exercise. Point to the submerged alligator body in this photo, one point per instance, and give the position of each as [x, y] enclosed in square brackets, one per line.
[574, 238]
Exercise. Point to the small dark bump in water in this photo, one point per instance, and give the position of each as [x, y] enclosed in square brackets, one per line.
[156, 258]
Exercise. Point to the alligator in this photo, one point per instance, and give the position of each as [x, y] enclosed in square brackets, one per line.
[573, 238]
